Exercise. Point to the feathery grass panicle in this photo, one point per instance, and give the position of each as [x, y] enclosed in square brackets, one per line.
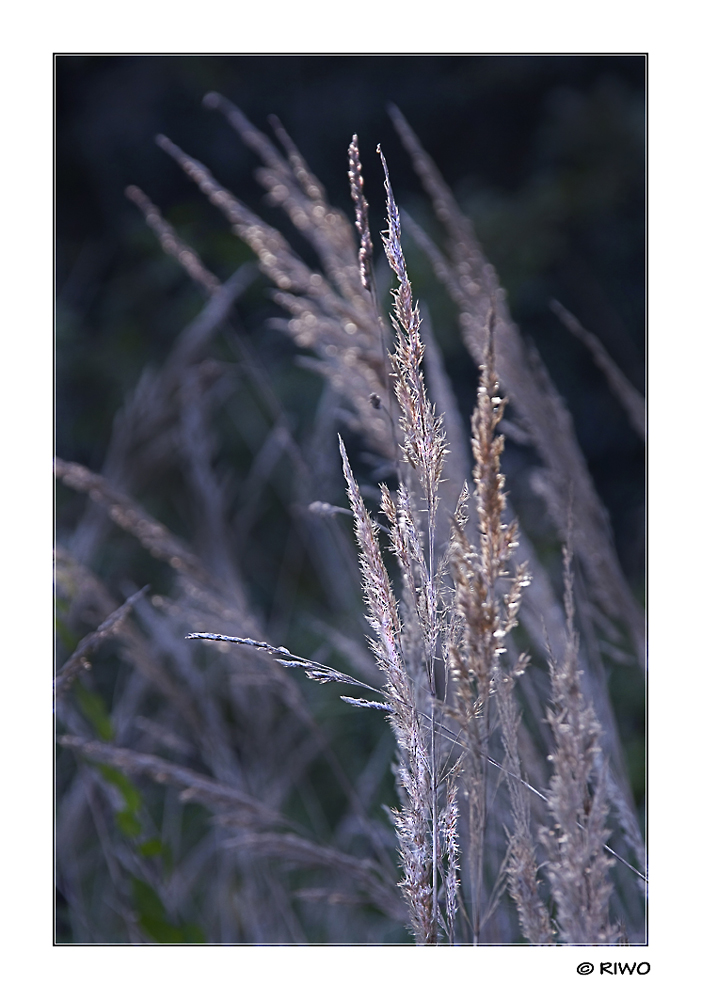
[578, 867]
[477, 573]
[365, 251]
[451, 850]
[423, 448]
[334, 316]
[383, 614]
[424, 445]
[488, 613]
[418, 589]
[413, 820]
[291, 184]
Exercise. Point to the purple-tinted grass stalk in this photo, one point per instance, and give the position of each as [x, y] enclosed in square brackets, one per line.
[578, 867]
[424, 449]
[415, 773]
[367, 274]
[475, 659]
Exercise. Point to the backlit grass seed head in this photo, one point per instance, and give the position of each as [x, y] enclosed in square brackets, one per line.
[424, 443]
